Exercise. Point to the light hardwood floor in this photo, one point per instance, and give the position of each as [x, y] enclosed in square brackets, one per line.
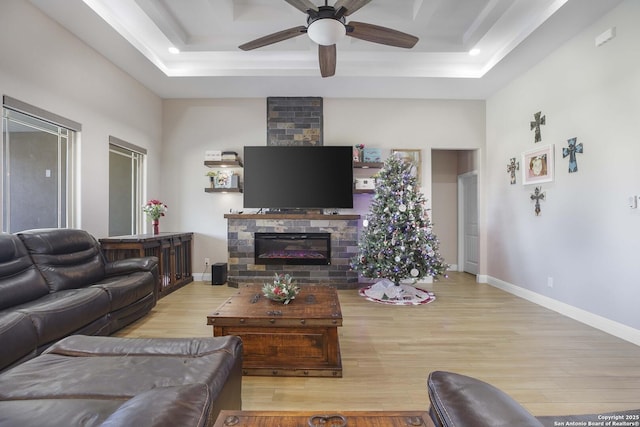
[549, 363]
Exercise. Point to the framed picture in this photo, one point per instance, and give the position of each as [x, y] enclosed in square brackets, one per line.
[537, 165]
[223, 179]
[371, 155]
[409, 156]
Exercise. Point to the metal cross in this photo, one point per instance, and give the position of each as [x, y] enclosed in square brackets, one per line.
[539, 120]
[512, 167]
[571, 152]
[537, 196]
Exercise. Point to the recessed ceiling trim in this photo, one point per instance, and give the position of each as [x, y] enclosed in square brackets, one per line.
[135, 26]
[504, 23]
[166, 22]
[519, 22]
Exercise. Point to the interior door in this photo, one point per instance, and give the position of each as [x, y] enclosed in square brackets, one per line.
[468, 222]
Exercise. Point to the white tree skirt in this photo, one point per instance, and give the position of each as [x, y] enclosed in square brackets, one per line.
[386, 292]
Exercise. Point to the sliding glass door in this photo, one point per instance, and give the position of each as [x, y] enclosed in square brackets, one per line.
[37, 179]
[125, 187]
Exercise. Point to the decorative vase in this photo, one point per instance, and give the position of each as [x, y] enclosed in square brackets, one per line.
[156, 226]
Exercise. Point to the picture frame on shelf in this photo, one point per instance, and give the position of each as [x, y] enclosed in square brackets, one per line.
[412, 157]
[223, 179]
[538, 165]
[371, 155]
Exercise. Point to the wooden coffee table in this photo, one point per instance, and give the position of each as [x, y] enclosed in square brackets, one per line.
[297, 339]
[319, 419]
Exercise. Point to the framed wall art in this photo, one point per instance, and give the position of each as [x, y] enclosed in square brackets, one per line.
[409, 156]
[537, 165]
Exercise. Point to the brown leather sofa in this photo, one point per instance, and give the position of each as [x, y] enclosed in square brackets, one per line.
[56, 282]
[462, 401]
[106, 381]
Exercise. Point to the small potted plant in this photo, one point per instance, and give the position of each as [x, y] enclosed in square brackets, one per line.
[283, 289]
[212, 177]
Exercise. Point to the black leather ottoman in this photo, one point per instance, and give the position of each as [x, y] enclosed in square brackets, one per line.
[104, 381]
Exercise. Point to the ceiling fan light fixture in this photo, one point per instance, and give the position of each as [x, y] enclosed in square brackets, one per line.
[326, 31]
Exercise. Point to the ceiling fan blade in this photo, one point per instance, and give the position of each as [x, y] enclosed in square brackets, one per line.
[350, 5]
[381, 35]
[327, 58]
[274, 38]
[302, 5]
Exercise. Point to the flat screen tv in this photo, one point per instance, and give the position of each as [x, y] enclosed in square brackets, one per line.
[298, 177]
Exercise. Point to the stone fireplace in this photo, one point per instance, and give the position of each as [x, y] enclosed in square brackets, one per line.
[312, 248]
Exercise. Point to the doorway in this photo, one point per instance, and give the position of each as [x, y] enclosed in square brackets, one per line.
[453, 174]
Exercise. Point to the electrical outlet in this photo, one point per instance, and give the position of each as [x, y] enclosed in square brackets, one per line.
[550, 282]
[207, 261]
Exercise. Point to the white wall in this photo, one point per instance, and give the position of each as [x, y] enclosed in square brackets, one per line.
[190, 128]
[44, 65]
[587, 239]
[193, 126]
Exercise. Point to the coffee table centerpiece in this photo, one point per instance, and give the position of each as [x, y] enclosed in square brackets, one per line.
[283, 289]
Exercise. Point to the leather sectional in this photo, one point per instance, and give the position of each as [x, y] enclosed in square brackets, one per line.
[56, 282]
[58, 295]
[461, 401]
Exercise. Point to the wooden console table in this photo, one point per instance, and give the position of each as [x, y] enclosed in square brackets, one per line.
[172, 249]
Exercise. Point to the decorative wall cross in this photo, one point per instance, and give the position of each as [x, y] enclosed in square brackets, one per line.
[512, 167]
[537, 196]
[539, 120]
[571, 152]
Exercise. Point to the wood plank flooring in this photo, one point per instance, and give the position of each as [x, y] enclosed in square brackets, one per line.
[551, 364]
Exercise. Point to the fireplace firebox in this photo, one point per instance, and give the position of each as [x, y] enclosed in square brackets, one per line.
[292, 248]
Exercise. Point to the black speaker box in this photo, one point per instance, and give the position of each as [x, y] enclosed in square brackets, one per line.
[219, 273]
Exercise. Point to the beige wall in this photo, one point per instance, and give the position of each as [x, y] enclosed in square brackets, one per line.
[44, 65]
[444, 212]
[193, 126]
[586, 238]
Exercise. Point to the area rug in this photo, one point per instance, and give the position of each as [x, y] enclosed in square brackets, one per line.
[386, 292]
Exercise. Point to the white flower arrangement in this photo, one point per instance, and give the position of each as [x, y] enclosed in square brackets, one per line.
[283, 289]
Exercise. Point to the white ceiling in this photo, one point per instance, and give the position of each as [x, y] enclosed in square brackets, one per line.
[511, 35]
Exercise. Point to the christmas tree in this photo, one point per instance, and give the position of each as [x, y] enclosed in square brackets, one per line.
[397, 240]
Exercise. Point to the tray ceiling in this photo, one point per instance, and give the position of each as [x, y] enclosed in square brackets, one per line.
[207, 32]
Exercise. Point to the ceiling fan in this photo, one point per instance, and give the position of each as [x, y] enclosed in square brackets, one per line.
[326, 25]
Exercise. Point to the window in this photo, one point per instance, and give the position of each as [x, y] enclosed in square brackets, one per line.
[37, 168]
[126, 163]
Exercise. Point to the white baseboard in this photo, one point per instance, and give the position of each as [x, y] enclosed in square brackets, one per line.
[202, 277]
[611, 327]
